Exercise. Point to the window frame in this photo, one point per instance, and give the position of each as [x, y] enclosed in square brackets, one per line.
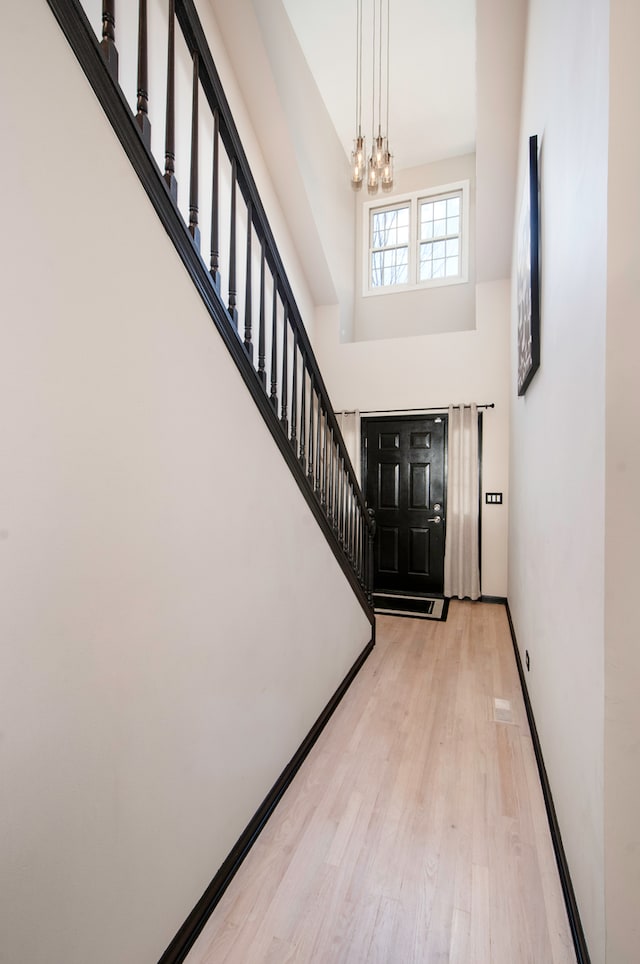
[381, 208]
[413, 201]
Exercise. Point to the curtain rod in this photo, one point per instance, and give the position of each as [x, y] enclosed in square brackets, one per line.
[386, 411]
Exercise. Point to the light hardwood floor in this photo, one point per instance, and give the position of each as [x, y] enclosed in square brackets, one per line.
[415, 831]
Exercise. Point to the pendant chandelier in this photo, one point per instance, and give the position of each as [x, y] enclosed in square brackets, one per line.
[379, 165]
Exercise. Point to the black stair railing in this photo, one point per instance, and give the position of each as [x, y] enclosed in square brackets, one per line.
[284, 377]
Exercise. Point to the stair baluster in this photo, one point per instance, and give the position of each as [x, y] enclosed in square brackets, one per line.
[233, 310]
[274, 346]
[142, 115]
[310, 471]
[303, 417]
[248, 344]
[170, 117]
[325, 461]
[194, 230]
[285, 368]
[318, 482]
[214, 263]
[294, 395]
[262, 375]
[108, 43]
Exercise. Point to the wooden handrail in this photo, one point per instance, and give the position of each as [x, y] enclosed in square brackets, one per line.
[291, 394]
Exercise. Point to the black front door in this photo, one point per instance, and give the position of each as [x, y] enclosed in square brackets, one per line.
[404, 474]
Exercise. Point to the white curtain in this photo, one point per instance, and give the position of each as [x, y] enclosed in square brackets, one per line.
[349, 423]
[461, 562]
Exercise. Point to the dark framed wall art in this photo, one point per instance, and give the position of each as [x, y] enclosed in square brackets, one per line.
[528, 249]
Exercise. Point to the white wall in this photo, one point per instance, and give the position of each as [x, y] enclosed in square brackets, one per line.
[429, 310]
[172, 619]
[439, 369]
[501, 28]
[622, 511]
[556, 533]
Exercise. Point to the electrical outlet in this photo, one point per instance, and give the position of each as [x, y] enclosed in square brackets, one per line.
[526, 659]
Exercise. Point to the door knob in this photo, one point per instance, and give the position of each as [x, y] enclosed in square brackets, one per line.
[436, 519]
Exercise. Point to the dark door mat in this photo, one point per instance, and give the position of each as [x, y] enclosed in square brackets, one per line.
[414, 607]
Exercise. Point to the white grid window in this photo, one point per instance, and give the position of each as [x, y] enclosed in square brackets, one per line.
[390, 246]
[440, 238]
[420, 241]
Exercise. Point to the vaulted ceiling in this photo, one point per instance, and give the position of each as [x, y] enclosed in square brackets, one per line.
[432, 75]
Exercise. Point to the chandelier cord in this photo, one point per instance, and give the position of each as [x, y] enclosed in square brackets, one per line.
[388, 22]
[380, 70]
[373, 78]
[359, 67]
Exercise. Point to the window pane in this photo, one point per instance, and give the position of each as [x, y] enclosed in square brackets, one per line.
[426, 211]
[453, 225]
[426, 229]
[440, 228]
[432, 260]
[439, 209]
[390, 227]
[395, 256]
[376, 269]
[452, 247]
[453, 207]
[389, 267]
[452, 267]
[396, 275]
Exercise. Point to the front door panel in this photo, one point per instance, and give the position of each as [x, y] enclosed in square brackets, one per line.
[404, 462]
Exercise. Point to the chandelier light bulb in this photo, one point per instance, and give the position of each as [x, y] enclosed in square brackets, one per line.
[387, 172]
[358, 163]
[372, 176]
[379, 152]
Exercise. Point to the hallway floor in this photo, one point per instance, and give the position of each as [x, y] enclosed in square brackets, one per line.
[416, 830]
